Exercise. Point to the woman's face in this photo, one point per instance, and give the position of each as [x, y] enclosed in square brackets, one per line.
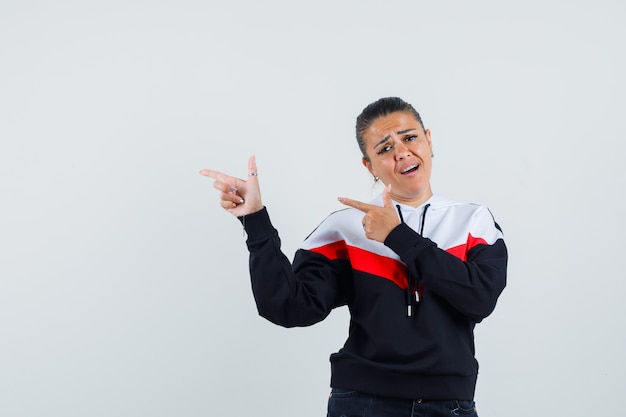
[399, 152]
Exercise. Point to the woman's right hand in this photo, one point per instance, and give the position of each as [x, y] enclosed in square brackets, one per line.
[239, 197]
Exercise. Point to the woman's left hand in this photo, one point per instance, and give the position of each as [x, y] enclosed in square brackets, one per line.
[378, 221]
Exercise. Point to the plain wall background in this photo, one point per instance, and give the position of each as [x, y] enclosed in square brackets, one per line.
[123, 285]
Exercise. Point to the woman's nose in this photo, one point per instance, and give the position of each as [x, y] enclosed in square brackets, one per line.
[402, 151]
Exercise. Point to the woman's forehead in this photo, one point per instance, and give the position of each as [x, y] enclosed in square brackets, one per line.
[394, 123]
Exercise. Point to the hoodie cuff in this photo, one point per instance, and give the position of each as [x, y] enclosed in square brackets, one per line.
[257, 225]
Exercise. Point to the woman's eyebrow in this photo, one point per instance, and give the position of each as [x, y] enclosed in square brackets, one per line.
[386, 138]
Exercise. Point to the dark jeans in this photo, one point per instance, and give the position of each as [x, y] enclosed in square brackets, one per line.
[343, 403]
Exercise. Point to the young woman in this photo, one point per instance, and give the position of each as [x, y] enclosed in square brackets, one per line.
[416, 270]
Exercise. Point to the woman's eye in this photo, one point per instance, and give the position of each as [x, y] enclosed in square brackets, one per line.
[410, 138]
[384, 149]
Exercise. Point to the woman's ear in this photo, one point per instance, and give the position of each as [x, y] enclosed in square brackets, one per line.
[367, 164]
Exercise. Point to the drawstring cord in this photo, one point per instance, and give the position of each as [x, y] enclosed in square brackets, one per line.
[400, 213]
[411, 281]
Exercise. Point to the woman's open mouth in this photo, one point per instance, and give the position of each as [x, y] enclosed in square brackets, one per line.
[409, 169]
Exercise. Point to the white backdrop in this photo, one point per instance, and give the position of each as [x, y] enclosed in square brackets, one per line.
[123, 285]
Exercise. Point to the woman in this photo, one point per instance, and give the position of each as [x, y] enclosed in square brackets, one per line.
[416, 269]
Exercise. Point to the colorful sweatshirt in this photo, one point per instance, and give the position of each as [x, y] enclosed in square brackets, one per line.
[413, 300]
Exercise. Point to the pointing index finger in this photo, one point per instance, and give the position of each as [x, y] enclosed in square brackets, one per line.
[216, 175]
[359, 205]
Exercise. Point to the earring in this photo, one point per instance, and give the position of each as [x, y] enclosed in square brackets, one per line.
[432, 155]
[376, 179]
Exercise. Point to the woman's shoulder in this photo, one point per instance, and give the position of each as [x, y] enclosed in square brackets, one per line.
[442, 202]
[341, 219]
[343, 225]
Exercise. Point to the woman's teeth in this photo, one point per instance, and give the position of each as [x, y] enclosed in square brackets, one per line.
[409, 169]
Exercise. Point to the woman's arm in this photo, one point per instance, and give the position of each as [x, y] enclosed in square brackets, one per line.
[298, 295]
[289, 296]
[471, 285]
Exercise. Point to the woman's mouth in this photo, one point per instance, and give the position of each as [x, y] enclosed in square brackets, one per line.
[409, 169]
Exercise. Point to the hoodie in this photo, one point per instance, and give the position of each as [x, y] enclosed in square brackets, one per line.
[414, 300]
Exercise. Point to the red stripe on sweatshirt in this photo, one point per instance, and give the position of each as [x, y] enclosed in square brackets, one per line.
[461, 250]
[382, 266]
[365, 261]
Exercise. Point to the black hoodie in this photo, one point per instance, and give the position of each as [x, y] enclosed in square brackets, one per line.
[414, 300]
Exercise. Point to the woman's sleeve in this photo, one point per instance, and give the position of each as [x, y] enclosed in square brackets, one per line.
[470, 280]
[291, 295]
